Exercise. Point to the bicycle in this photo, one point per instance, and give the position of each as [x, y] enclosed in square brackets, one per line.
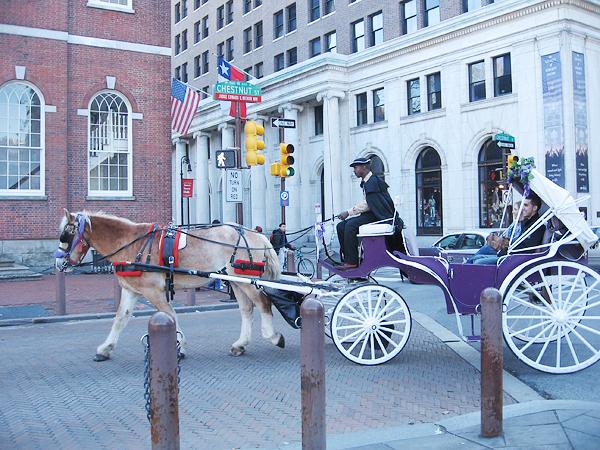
[303, 264]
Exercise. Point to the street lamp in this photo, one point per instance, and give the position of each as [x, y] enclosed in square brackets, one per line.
[184, 160]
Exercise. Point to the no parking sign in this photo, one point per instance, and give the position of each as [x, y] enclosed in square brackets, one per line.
[284, 198]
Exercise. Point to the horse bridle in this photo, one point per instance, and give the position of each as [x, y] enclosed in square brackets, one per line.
[72, 239]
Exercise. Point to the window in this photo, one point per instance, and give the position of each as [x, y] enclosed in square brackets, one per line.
[117, 4]
[292, 56]
[247, 40]
[476, 81]
[22, 138]
[229, 8]
[178, 73]
[184, 43]
[358, 36]
[502, 75]
[205, 27]
[471, 5]
[220, 47]
[230, 49]
[329, 6]
[409, 16]
[258, 70]
[258, 34]
[109, 145]
[247, 6]
[178, 44]
[205, 62]
[378, 105]
[257, 3]
[376, 24]
[197, 35]
[204, 93]
[197, 67]
[432, 12]
[183, 9]
[491, 189]
[291, 18]
[314, 10]
[330, 42]
[278, 62]
[196, 4]
[278, 24]
[184, 74]
[220, 17]
[177, 12]
[248, 71]
[428, 174]
[361, 109]
[315, 47]
[434, 91]
[318, 120]
[414, 96]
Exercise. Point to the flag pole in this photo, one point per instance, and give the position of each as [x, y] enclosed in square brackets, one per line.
[238, 149]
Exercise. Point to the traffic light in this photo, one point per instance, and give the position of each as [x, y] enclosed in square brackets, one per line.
[254, 145]
[286, 161]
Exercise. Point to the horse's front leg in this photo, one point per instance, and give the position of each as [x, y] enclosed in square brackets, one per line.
[266, 321]
[246, 307]
[124, 313]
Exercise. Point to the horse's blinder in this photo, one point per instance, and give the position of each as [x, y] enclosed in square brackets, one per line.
[72, 235]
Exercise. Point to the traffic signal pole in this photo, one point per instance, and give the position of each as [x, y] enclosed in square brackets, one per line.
[282, 140]
[238, 148]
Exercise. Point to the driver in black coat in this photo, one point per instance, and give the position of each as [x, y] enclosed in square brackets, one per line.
[376, 205]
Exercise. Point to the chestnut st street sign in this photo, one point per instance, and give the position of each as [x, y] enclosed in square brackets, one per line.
[237, 91]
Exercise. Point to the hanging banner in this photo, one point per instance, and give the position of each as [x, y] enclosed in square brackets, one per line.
[554, 142]
[581, 127]
[187, 187]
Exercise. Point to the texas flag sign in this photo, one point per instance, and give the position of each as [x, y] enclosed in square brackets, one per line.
[228, 72]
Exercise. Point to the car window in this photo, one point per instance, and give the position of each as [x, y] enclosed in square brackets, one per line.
[471, 241]
[448, 241]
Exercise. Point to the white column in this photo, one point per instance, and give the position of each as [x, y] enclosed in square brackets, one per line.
[227, 141]
[293, 184]
[201, 178]
[332, 151]
[180, 145]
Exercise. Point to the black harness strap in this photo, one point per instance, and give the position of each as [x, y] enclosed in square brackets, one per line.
[168, 250]
[147, 243]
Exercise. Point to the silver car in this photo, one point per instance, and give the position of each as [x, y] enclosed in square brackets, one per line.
[457, 247]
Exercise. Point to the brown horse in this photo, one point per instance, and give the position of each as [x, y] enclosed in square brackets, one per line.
[208, 248]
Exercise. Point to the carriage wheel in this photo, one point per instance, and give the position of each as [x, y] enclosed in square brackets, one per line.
[371, 324]
[551, 318]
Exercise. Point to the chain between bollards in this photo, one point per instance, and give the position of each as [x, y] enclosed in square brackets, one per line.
[492, 359]
[312, 375]
[164, 387]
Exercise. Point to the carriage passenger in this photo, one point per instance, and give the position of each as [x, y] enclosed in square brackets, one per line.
[529, 216]
[376, 205]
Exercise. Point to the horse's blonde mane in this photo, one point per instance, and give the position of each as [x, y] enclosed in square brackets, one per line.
[89, 214]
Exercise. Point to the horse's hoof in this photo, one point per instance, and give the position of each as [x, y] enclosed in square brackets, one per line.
[100, 357]
[181, 355]
[237, 351]
[281, 341]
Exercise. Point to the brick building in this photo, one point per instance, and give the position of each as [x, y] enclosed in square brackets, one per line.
[84, 115]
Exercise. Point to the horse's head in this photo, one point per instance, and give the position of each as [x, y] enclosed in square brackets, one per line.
[73, 244]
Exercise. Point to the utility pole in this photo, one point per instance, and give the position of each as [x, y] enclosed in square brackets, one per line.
[238, 148]
[281, 141]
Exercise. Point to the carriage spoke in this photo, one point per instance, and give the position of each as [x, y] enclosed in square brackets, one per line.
[573, 353]
[396, 311]
[355, 343]
[382, 311]
[529, 328]
[545, 346]
[352, 335]
[558, 346]
[391, 330]
[583, 295]
[582, 339]
[351, 318]
[572, 290]
[538, 295]
[372, 345]
[379, 297]
[392, 322]
[583, 308]
[365, 314]
[591, 330]
[365, 339]
[545, 281]
[381, 346]
[390, 341]
[532, 341]
[349, 327]
[360, 316]
[530, 305]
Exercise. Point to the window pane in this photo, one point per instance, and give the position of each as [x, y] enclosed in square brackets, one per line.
[502, 75]
[414, 96]
[378, 105]
[491, 189]
[278, 24]
[429, 196]
[331, 42]
[361, 109]
[291, 18]
[318, 120]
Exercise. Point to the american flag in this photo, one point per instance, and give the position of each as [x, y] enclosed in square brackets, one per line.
[228, 72]
[184, 103]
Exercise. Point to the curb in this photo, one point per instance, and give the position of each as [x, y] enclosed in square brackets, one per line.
[140, 313]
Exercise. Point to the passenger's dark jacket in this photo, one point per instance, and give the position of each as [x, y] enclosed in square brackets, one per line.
[536, 238]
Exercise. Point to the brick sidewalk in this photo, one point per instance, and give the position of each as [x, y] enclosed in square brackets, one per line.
[86, 294]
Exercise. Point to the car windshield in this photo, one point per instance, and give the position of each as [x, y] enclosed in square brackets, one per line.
[448, 241]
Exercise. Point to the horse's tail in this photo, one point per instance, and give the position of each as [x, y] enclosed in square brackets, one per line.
[272, 268]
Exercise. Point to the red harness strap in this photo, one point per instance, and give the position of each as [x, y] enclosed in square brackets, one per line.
[245, 267]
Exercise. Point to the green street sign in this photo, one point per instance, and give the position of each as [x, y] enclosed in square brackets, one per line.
[504, 140]
[237, 88]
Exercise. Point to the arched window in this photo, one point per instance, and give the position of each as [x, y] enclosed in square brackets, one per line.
[377, 166]
[491, 185]
[21, 140]
[110, 159]
[429, 192]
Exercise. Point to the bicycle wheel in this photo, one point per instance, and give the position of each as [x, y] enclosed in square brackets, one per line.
[306, 267]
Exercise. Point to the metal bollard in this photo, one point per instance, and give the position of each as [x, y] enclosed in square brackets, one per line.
[191, 297]
[61, 295]
[291, 266]
[116, 293]
[492, 360]
[312, 375]
[164, 388]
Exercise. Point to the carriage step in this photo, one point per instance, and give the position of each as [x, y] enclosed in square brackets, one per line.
[474, 338]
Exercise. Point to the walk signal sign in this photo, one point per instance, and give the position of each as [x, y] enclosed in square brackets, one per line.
[254, 145]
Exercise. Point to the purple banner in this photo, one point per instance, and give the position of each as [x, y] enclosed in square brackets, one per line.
[581, 127]
[554, 142]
